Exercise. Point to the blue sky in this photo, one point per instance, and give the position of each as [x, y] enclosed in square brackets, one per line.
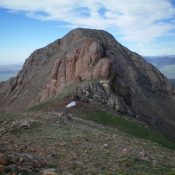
[144, 26]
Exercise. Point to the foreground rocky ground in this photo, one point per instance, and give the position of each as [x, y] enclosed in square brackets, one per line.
[49, 143]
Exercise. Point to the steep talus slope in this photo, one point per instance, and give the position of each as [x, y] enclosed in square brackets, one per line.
[129, 84]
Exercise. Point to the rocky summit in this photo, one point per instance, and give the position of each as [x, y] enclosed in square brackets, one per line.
[114, 76]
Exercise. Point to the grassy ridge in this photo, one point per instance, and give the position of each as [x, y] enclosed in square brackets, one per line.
[124, 124]
[127, 126]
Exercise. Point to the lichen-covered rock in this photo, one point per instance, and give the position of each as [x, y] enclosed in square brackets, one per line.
[132, 86]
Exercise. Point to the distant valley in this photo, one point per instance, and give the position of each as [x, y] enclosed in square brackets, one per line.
[166, 64]
[173, 80]
[8, 71]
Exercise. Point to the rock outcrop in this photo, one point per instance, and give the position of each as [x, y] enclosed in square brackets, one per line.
[126, 81]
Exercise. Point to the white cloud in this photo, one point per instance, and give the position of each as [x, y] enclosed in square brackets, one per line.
[133, 20]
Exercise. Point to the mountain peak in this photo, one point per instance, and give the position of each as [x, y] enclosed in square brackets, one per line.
[89, 33]
[83, 33]
[113, 75]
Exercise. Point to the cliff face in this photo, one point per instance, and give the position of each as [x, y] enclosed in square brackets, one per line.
[130, 84]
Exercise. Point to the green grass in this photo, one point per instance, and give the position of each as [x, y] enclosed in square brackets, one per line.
[42, 105]
[128, 126]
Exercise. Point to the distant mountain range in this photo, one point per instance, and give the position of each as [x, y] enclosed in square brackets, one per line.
[166, 64]
[161, 60]
[173, 80]
[10, 68]
[7, 71]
